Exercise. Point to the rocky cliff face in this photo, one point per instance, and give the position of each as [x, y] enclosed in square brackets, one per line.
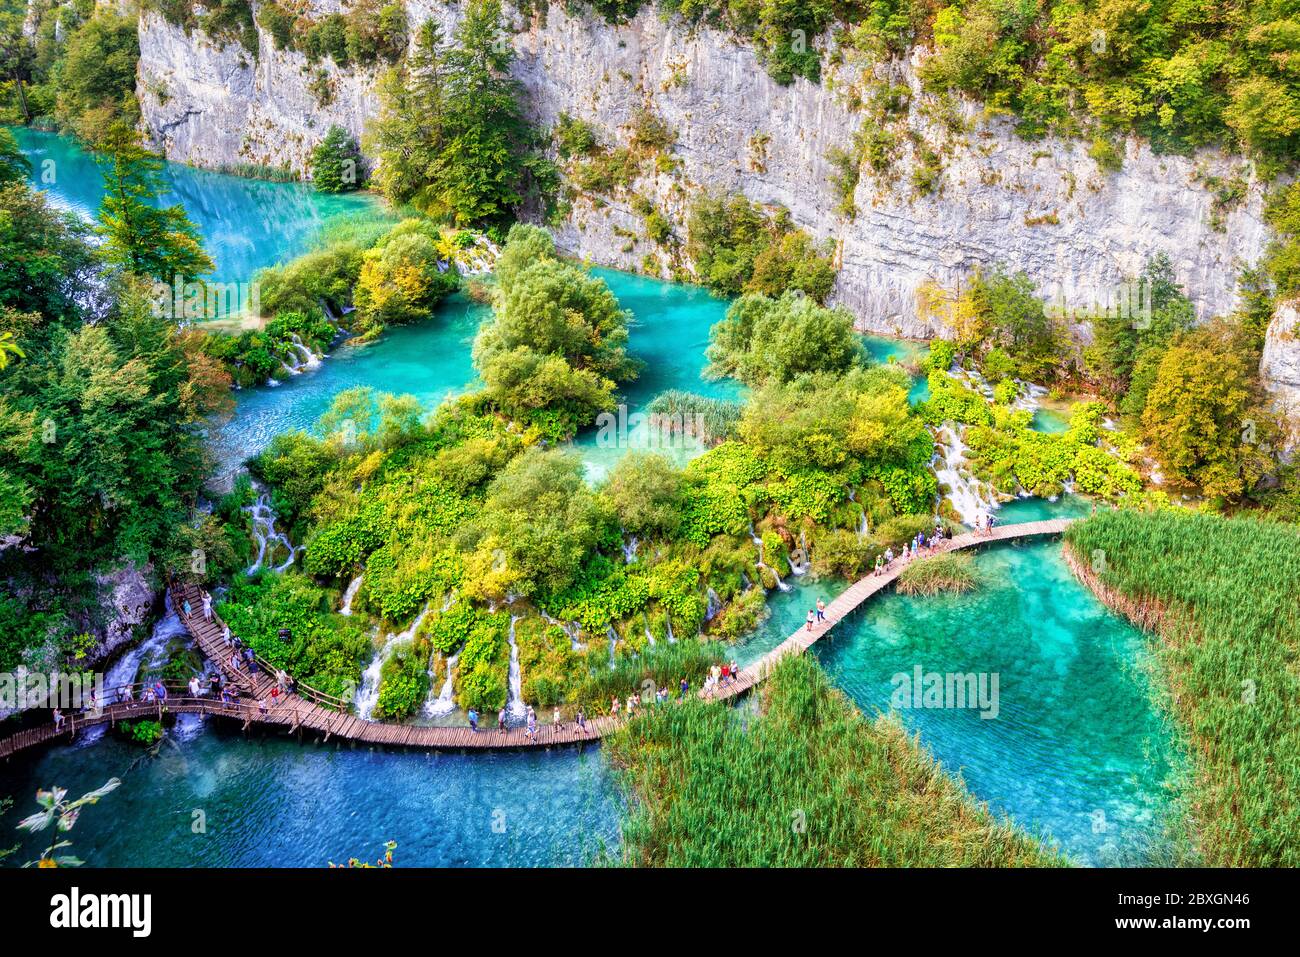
[1043, 207]
[1279, 367]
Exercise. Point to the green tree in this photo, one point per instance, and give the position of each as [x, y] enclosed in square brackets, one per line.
[645, 492]
[14, 166]
[763, 339]
[336, 164]
[140, 237]
[96, 76]
[17, 57]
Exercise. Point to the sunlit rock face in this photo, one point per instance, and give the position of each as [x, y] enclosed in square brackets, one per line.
[1043, 207]
[1279, 367]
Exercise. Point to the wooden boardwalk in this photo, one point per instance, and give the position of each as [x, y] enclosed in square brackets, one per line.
[328, 718]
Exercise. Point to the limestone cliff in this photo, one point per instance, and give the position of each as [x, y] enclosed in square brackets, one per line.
[1042, 207]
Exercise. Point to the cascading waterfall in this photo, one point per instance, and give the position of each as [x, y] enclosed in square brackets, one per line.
[349, 594]
[969, 496]
[864, 527]
[629, 550]
[649, 635]
[572, 629]
[515, 708]
[266, 534]
[445, 702]
[668, 628]
[763, 564]
[613, 642]
[368, 694]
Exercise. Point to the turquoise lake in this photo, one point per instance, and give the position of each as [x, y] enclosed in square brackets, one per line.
[1076, 750]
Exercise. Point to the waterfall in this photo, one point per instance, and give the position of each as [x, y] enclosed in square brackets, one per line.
[368, 694]
[969, 496]
[150, 653]
[572, 629]
[649, 635]
[864, 527]
[629, 551]
[265, 534]
[445, 702]
[668, 628]
[761, 563]
[515, 709]
[613, 641]
[306, 358]
[350, 593]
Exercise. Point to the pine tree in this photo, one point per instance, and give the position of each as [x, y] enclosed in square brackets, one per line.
[336, 162]
[140, 237]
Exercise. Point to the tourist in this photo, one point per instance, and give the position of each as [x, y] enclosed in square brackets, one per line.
[185, 607]
[275, 695]
[889, 556]
[880, 563]
[251, 658]
[214, 686]
[531, 728]
[821, 610]
[716, 672]
[207, 606]
[58, 720]
[148, 694]
[631, 705]
[812, 616]
[160, 690]
[125, 693]
[281, 680]
[581, 719]
[194, 686]
[735, 670]
[234, 663]
[683, 687]
[261, 707]
[226, 636]
[708, 686]
[473, 720]
[501, 721]
[555, 720]
[991, 522]
[92, 704]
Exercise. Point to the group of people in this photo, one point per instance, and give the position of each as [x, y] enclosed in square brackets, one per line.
[921, 544]
[984, 523]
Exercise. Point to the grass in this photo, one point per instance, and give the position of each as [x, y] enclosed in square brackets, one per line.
[953, 572]
[808, 782]
[1223, 595]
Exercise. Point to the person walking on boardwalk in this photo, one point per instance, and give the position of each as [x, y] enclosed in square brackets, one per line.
[613, 706]
[207, 606]
[226, 636]
[735, 670]
[261, 707]
[581, 719]
[555, 720]
[530, 727]
[821, 610]
[194, 686]
[58, 720]
[501, 721]
[812, 616]
[473, 720]
[880, 563]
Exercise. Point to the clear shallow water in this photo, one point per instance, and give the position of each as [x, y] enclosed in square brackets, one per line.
[276, 803]
[246, 224]
[1076, 749]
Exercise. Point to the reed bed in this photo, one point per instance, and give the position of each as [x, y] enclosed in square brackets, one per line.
[1223, 596]
[807, 782]
[954, 572]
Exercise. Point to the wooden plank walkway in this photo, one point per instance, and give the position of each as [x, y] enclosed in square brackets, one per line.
[305, 710]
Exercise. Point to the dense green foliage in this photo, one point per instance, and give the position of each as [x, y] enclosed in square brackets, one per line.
[556, 347]
[1218, 593]
[78, 70]
[102, 456]
[450, 137]
[810, 782]
[738, 248]
[763, 340]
